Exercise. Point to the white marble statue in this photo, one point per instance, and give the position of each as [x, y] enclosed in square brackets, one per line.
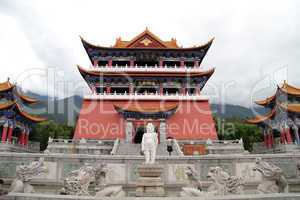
[149, 144]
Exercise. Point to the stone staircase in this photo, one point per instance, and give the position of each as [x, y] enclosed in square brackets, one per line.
[135, 149]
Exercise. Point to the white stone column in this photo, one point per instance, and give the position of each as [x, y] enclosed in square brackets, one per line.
[162, 132]
[129, 129]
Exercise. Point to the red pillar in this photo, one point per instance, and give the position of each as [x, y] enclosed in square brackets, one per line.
[183, 90]
[160, 63]
[161, 89]
[110, 62]
[93, 89]
[288, 136]
[181, 63]
[26, 137]
[196, 63]
[282, 137]
[108, 89]
[4, 133]
[266, 139]
[198, 89]
[20, 138]
[95, 63]
[9, 133]
[131, 89]
[131, 63]
[270, 139]
[23, 137]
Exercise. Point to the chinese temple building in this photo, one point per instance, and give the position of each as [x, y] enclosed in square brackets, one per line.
[15, 123]
[144, 80]
[283, 118]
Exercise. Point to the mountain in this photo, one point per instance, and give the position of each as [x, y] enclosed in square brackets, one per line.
[66, 110]
[235, 111]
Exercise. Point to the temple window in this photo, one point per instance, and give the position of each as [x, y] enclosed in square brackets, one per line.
[171, 64]
[146, 63]
[120, 89]
[102, 63]
[100, 90]
[171, 90]
[120, 63]
[191, 91]
[146, 89]
[189, 64]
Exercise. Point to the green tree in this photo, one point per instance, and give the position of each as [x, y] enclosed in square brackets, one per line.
[232, 129]
[42, 131]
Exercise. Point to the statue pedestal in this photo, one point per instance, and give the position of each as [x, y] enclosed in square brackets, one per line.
[149, 183]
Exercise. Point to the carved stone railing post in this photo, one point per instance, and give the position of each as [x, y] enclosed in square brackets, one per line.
[128, 131]
[162, 132]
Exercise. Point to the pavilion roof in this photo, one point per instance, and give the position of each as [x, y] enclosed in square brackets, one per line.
[146, 36]
[291, 107]
[285, 88]
[289, 89]
[266, 101]
[147, 74]
[7, 105]
[10, 104]
[148, 40]
[145, 109]
[5, 86]
[261, 118]
[31, 117]
[141, 111]
[27, 99]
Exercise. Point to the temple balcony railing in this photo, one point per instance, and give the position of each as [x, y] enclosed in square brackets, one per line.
[156, 96]
[146, 68]
[211, 142]
[81, 146]
[14, 146]
[80, 141]
[217, 146]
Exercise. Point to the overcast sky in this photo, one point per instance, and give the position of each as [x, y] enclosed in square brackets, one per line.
[256, 46]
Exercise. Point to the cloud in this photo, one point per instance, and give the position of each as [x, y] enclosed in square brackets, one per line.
[253, 38]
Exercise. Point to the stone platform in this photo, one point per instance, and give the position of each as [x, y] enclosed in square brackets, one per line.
[19, 196]
[149, 182]
[123, 169]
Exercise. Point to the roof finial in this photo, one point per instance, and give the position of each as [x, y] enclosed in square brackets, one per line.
[147, 28]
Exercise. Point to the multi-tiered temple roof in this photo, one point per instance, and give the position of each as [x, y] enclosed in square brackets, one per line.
[12, 116]
[142, 79]
[286, 98]
[146, 46]
[146, 58]
[284, 113]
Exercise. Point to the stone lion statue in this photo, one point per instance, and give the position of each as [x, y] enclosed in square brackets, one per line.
[273, 178]
[194, 185]
[25, 173]
[2, 191]
[223, 183]
[78, 181]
